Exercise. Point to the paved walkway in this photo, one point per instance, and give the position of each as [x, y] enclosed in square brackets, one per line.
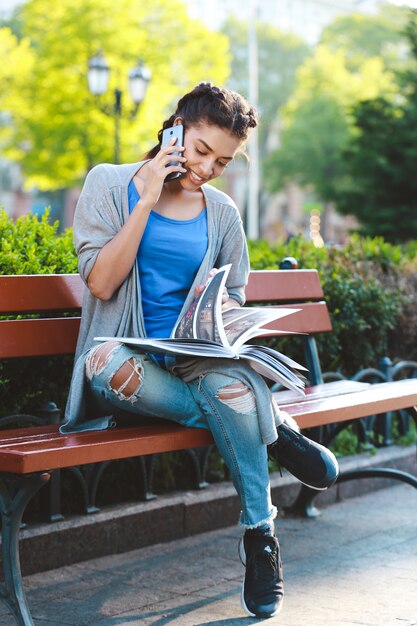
[357, 564]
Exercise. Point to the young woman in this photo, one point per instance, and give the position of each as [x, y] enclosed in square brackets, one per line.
[146, 246]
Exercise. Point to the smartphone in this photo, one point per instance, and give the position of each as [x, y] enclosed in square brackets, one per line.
[168, 134]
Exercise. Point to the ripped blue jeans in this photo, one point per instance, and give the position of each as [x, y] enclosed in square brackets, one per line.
[123, 379]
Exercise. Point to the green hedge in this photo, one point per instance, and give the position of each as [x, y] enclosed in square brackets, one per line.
[370, 288]
[31, 245]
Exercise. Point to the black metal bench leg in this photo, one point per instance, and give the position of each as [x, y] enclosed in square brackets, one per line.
[15, 493]
[379, 472]
[303, 504]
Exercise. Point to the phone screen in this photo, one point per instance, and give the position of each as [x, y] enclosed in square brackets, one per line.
[168, 134]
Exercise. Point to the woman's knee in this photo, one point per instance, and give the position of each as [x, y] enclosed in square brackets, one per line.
[235, 394]
[128, 378]
[99, 357]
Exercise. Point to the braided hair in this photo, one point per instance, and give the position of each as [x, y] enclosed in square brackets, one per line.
[213, 105]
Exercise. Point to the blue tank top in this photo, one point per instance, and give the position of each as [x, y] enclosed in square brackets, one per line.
[169, 256]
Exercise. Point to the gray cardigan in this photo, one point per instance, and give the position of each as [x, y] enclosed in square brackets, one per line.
[101, 211]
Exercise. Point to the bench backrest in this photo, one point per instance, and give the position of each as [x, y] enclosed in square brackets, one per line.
[53, 297]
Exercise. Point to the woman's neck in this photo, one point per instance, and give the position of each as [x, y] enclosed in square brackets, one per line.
[178, 203]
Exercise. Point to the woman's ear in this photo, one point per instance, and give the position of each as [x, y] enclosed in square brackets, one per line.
[178, 120]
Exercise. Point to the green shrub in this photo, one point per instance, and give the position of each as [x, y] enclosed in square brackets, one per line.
[369, 286]
[31, 245]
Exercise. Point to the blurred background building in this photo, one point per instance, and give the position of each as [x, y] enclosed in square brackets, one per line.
[305, 18]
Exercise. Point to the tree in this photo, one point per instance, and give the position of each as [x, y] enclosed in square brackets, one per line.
[369, 35]
[57, 131]
[316, 124]
[310, 148]
[381, 158]
[381, 161]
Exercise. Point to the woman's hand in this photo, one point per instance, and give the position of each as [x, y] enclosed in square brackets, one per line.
[157, 169]
[227, 303]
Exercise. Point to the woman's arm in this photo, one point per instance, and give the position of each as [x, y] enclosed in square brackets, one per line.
[116, 258]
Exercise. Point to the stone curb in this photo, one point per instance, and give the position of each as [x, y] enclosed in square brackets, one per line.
[128, 527]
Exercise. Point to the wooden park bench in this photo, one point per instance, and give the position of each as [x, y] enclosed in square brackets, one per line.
[29, 455]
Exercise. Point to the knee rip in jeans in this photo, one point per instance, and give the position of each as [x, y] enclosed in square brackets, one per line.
[237, 397]
[128, 380]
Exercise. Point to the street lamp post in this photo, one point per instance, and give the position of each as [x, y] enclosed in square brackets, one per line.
[98, 81]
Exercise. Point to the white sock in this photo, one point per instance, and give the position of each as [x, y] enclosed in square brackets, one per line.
[289, 421]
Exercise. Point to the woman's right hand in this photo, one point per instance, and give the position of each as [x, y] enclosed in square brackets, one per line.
[157, 169]
[116, 258]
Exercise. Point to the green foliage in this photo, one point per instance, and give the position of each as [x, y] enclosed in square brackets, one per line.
[381, 162]
[405, 440]
[345, 443]
[366, 36]
[310, 150]
[366, 285]
[380, 186]
[349, 65]
[32, 246]
[57, 130]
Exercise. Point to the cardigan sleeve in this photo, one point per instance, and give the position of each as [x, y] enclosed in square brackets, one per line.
[97, 219]
[234, 250]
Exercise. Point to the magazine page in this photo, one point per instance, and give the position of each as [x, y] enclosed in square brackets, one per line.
[274, 368]
[201, 319]
[274, 354]
[236, 313]
[209, 309]
[184, 328]
[174, 346]
[241, 330]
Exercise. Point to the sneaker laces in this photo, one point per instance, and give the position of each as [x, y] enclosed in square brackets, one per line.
[263, 564]
[288, 437]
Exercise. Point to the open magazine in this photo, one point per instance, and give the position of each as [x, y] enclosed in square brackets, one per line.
[207, 331]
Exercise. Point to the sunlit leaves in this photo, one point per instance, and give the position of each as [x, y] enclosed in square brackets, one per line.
[58, 129]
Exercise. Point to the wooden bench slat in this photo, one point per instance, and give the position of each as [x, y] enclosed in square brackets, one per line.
[58, 451]
[319, 391]
[49, 292]
[54, 336]
[24, 452]
[312, 318]
[38, 337]
[54, 292]
[283, 286]
[376, 399]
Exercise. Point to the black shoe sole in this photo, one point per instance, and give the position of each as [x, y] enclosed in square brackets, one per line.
[314, 487]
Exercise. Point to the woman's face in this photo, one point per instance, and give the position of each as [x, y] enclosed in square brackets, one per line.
[208, 150]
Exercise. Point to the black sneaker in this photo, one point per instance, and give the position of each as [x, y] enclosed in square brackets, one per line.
[309, 461]
[263, 586]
